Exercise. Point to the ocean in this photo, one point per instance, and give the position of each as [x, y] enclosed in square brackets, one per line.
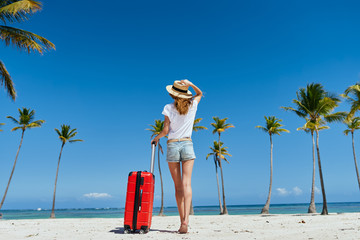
[340, 207]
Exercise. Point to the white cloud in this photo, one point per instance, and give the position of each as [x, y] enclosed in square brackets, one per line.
[317, 190]
[297, 191]
[97, 195]
[282, 191]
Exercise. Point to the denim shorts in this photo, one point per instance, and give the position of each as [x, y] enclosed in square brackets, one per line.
[180, 151]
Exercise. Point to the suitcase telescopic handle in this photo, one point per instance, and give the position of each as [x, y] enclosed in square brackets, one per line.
[152, 163]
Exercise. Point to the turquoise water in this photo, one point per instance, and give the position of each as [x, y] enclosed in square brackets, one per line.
[172, 211]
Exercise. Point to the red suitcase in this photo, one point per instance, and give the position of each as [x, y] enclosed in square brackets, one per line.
[139, 199]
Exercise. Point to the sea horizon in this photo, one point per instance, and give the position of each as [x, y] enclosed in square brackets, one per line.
[114, 212]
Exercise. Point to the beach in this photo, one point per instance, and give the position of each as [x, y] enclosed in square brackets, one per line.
[282, 226]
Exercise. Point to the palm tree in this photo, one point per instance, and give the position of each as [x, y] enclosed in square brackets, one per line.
[156, 130]
[26, 117]
[65, 135]
[220, 126]
[314, 103]
[14, 11]
[195, 129]
[272, 126]
[353, 124]
[215, 151]
[354, 101]
[310, 127]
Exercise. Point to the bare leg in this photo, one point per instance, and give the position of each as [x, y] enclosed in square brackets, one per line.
[187, 167]
[175, 171]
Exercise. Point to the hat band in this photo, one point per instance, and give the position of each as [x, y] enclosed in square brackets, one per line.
[179, 90]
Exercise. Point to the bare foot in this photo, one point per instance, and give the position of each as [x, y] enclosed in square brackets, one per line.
[183, 228]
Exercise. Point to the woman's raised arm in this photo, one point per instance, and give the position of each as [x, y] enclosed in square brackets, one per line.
[196, 89]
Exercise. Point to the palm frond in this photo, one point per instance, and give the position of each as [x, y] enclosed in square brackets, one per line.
[6, 81]
[24, 40]
[355, 106]
[272, 125]
[13, 119]
[262, 128]
[16, 128]
[307, 130]
[215, 151]
[35, 124]
[57, 131]
[352, 125]
[66, 134]
[18, 10]
[156, 128]
[198, 120]
[208, 155]
[62, 139]
[197, 128]
[336, 117]
[220, 126]
[352, 95]
[347, 131]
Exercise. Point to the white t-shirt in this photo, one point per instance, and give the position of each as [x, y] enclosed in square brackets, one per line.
[181, 126]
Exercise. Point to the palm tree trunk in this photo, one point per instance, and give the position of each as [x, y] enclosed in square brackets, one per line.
[218, 186]
[52, 215]
[191, 209]
[265, 209]
[324, 210]
[356, 168]
[13, 169]
[312, 208]
[161, 213]
[225, 211]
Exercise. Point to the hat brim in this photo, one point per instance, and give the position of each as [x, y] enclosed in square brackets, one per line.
[178, 94]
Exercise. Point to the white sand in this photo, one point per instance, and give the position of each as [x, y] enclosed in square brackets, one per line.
[333, 226]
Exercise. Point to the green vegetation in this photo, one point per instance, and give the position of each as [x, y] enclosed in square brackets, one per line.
[352, 95]
[352, 126]
[272, 126]
[65, 135]
[156, 130]
[309, 127]
[220, 126]
[26, 117]
[215, 152]
[314, 104]
[15, 11]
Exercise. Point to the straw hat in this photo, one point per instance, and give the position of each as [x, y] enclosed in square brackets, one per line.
[179, 90]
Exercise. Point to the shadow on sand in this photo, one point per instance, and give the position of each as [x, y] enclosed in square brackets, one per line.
[120, 230]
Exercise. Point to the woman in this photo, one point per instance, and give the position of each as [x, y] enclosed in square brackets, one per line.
[178, 125]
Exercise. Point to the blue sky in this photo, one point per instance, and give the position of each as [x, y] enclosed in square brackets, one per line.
[107, 78]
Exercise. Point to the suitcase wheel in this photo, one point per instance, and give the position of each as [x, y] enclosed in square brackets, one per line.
[142, 231]
[126, 231]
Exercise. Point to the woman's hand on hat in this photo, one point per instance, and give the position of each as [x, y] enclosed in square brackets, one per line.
[186, 82]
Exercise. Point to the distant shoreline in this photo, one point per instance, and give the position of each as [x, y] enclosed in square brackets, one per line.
[298, 208]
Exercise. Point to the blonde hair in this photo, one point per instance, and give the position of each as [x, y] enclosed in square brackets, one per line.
[182, 105]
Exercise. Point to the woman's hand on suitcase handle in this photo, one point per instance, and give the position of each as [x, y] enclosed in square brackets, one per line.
[155, 141]
[163, 133]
